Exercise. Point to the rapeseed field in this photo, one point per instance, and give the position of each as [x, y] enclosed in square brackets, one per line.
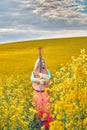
[67, 60]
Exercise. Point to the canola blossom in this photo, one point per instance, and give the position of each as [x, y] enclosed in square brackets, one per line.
[68, 94]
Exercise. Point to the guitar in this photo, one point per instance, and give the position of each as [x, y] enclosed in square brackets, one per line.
[40, 56]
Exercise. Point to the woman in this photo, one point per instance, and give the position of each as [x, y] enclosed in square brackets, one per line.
[41, 99]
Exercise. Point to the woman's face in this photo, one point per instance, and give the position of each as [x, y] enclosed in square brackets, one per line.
[43, 66]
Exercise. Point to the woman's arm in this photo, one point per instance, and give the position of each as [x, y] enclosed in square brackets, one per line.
[34, 79]
[46, 76]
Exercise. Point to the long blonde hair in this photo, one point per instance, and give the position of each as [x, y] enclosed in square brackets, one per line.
[37, 64]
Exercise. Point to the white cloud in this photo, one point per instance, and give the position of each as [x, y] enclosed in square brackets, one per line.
[38, 19]
[69, 10]
[44, 33]
[9, 30]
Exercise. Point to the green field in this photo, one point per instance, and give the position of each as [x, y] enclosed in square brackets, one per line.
[20, 57]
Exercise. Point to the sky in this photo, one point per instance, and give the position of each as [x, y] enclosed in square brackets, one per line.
[42, 19]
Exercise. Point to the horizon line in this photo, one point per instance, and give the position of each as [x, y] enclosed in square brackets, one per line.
[37, 39]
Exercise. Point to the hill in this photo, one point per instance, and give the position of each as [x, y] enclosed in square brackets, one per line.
[20, 57]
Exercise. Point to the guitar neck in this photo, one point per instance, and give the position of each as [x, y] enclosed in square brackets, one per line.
[41, 64]
[40, 56]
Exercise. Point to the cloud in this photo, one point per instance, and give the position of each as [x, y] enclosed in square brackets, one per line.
[18, 34]
[69, 10]
[36, 19]
[43, 13]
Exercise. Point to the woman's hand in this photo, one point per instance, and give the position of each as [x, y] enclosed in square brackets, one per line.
[41, 75]
[42, 81]
[36, 74]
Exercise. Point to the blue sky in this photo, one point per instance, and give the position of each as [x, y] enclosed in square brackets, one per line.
[40, 19]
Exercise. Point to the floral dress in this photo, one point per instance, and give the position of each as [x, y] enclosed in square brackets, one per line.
[41, 98]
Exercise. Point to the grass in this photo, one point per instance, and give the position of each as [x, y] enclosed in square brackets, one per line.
[20, 57]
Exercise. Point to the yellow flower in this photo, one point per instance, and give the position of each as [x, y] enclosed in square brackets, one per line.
[44, 115]
[1, 92]
[32, 110]
[59, 117]
[85, 121]
[43, 127]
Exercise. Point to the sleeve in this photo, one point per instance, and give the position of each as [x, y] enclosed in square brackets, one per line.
[47, 76]
[33, 79]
